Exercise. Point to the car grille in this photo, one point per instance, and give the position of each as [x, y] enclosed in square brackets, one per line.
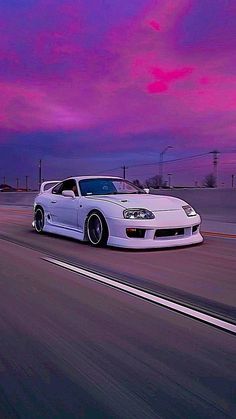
[170, 232]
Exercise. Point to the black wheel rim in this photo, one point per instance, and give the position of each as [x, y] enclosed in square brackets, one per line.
[95, 229]
[39, 220]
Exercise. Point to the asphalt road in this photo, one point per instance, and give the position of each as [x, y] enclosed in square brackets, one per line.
[74, 348]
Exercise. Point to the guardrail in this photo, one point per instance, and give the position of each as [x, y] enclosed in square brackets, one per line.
[219, 204]
[25, 199]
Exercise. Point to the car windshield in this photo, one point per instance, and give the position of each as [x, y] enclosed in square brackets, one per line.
[107, 186]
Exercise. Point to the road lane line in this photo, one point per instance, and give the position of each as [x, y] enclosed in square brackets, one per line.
[218, 234]
[214, 321]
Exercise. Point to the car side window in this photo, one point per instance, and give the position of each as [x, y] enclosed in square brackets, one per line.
[67, 185]
[58, 189]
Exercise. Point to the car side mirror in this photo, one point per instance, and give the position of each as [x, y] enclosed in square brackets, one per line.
[69, 194]
[146, 190]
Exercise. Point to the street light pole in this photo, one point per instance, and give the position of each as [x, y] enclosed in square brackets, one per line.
[161, 164]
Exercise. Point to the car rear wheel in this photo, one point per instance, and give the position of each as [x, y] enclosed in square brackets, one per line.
[39, 219]
[96, 229]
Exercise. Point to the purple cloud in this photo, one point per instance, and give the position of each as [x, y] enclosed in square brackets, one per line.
[130, 70]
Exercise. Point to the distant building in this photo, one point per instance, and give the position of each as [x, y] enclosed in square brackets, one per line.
[6, 188]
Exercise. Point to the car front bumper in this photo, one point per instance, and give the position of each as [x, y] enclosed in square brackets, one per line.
[165, 221]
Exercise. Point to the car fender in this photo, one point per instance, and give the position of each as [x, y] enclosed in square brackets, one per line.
[43, 200]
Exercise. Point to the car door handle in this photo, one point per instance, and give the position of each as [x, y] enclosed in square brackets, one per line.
[53, 202]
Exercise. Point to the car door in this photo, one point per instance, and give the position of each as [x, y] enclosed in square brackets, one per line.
[63, 209]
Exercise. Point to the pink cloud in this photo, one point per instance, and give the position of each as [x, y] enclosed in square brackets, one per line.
[204, 80]
[66, 83]
[155, 25]
[28, 108]
[165, 78]
[158, 87]
[172, 75]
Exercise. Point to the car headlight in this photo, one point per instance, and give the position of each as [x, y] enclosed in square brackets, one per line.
[138, 213]
[189, 211]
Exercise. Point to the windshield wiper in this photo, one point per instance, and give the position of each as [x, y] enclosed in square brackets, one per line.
[124, 193]
[134, 193]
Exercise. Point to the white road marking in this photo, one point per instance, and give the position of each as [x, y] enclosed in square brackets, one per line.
[148, 296]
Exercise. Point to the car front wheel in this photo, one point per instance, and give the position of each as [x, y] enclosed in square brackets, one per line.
[39, 219]
[96, 229]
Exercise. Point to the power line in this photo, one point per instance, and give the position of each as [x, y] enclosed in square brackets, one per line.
[168, 161]
[155, 163]
[107, 170]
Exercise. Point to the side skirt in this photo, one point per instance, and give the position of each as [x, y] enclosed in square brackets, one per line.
[63, 231]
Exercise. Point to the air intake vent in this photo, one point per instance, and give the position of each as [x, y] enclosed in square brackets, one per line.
[170, 232]
[138, 233]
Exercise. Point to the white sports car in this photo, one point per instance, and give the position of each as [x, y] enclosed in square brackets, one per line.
[111, 210]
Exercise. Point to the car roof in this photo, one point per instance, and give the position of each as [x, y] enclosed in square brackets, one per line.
[93, 177]
[78, 178]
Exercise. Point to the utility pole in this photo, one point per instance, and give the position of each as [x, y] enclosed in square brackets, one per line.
[26, 183]
[232, 184]
[124, 171]
[161, 163]
[169, 179]
[215, 154]
[4, 180]
[40, 172]
[17, 183]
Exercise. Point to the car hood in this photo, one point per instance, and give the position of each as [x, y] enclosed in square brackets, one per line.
[150, 202]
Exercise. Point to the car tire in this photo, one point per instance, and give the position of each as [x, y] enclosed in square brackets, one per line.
[39, 219]
[96, 229]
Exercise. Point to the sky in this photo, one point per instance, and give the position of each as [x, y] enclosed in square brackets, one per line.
[91, 85]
